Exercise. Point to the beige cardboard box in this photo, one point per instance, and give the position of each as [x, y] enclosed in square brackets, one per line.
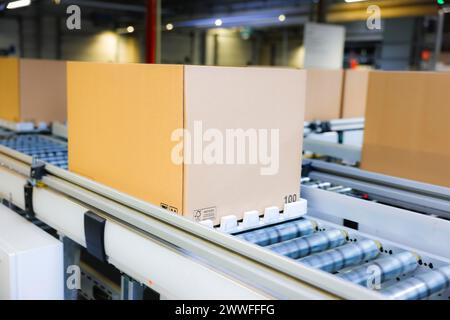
[126, 125]
[354, 99]
[407, 130]
[323, 94]
[32, 90]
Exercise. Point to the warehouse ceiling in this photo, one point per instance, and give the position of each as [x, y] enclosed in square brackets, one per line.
[197, 13]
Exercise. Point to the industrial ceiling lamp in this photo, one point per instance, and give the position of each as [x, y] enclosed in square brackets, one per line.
[18, 4]
[350, 1]
[127, 30]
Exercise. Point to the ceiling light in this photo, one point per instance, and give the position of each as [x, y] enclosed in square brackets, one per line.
[169, 27]
[218, 22]
[18, 4]
[130, 29]
[282, 18]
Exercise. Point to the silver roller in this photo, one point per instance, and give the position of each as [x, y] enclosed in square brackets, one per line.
[280, 233]
[302, 247]
[383, 269]
[420, 286]
[348, 255]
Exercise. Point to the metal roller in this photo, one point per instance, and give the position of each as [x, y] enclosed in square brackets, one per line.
[302, 247]
[349, 255]
[420, 286]
[382, 269]
[280, 233]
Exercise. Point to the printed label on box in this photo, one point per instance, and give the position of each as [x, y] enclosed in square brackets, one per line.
[205, 214]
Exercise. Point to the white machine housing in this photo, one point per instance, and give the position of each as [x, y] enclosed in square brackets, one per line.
[31, 261]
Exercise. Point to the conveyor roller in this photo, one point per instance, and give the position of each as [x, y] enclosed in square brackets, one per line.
[337, 259]
[386, 268]
[280, 233]
[302, 247]
[420, 286]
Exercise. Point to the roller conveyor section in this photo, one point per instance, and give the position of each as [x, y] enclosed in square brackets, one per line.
[40, 147]
[393, 191]
[313, 183]
[312, 241]
[397, 273]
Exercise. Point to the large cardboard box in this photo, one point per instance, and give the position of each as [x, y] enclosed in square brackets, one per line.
[32, 90]
[323, 94]
[355, 93]
[126, 125]
[407, 130]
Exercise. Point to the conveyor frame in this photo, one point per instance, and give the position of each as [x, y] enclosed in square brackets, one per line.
[399, 192]
[234, 264]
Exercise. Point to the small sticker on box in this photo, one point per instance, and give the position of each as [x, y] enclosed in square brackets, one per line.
[205, 214]
[169, 208]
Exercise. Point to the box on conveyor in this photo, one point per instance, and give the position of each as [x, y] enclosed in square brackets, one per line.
[203, 142]
[355, 93]
[407, 132]
[323, 94]
[32, 90]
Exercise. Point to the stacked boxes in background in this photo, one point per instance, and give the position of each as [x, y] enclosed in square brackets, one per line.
[323, 94]
[32, 91]
[125, 123]
[407, 130]
[355, 93]
[335, 94]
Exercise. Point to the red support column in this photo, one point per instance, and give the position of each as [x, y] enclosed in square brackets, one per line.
[152, 30]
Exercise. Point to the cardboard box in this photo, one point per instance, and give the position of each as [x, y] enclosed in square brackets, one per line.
[323, 94]
[125, 123]
[32, 90]
[355, 93]
[407, 130]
